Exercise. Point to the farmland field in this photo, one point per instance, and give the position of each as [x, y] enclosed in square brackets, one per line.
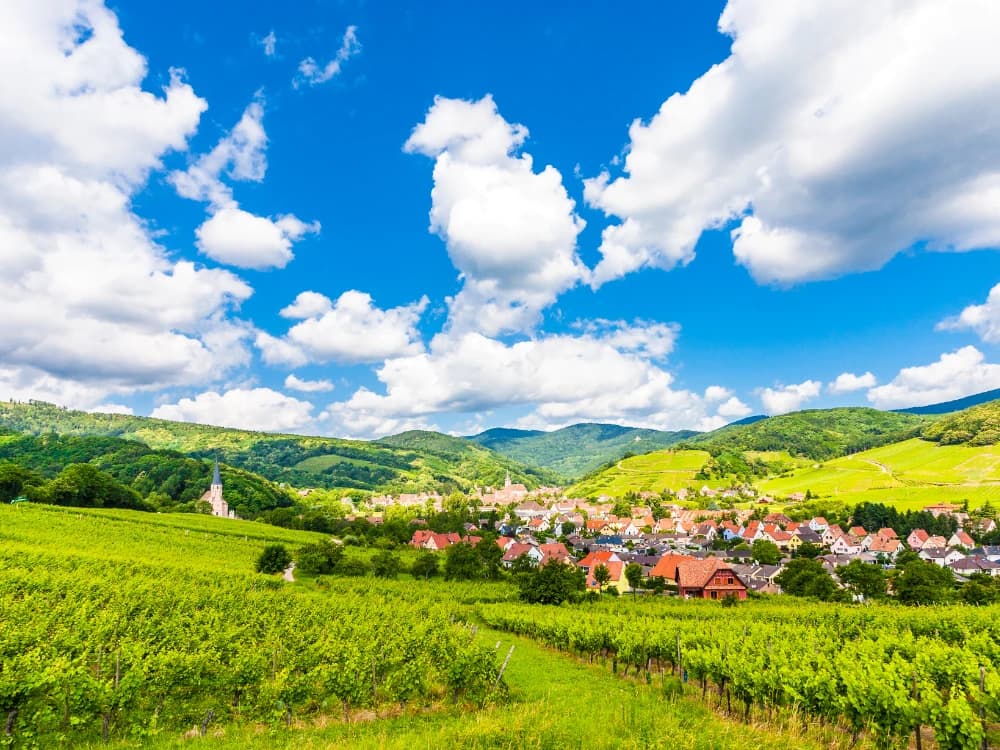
[908, 474]
[143, 628]
[650, 472]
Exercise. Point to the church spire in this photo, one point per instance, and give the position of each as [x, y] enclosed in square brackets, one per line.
[216, 479]
[506, 481]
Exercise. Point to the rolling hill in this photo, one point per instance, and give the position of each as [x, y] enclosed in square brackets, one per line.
[908, 474]
[650, 472]
[293, 459]
[979, 425]
[819, 434]
[578, 449]
[946, 407]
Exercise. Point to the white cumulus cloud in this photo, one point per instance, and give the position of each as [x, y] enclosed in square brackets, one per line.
[960, 373]
[260, 409]
[350, 330]
[599, 375]
[231, 235]
[785, 398]
[832, 132]
[984, 319]
[294, 383]
[847, 382]
[92, 305]
[509, 230]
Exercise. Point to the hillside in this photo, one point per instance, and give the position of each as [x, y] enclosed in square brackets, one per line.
[651, 472]
[819, 434]
[911, 473]
[293, 459]
[47, 468]
[946, 407]
[979, 425]
[469, 459]
[573, 451]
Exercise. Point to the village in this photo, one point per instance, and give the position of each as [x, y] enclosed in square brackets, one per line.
[696, 553]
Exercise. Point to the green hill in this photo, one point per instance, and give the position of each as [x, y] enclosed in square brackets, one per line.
[909, 474]
[819, 434]
[578, 449]
[651, 472]
[46, 468]
[979, 425]
[297, 460]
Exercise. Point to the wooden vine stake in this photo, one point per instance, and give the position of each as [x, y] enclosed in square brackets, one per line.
[503, 667]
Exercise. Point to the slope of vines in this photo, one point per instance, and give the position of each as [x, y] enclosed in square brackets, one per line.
[95, 648]
[880, 670]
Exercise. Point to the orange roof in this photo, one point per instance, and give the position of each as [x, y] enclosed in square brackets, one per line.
[666, 566]
[696, 573]
[601, 557]
[614, 568]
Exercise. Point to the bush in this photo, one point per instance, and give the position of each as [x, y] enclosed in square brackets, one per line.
[386, 564]
[352, 566]
[319, 558]
[274, 559]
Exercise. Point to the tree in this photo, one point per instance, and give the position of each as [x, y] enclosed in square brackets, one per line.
[766, 552]
[602, 575]
[386, 564]
[426, 565]
[922, 582]
[568, 527]
[808, 549]
[980, 589]
[273, 559]
[553, 583]
[491, 557]
[633, 574]
[462, 563]
[320, 558]
[867, 580]
[805, 577]
[13, 480]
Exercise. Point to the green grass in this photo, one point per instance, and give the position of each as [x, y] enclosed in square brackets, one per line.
[909, 474]
[651, 472]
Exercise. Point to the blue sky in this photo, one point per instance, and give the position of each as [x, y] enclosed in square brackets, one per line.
[668, 215]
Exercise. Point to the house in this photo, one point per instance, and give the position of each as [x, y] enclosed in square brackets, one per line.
[970, 565]
[518, 550]
[600, 557]
[935, 542]
[961, 539]
[504, 542]
[819, 524]
[940, 556]
[917, 539]
[616, 577]
[530, 509]
[555, 552]
[830, 534]
[883, 546]
[705, 530]
[845, 545]
[943, 509]
[666, 567]
[807, 535]
[709, 579]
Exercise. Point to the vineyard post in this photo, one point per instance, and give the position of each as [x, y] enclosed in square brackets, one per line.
[503, 667]
[208, 718]
[916, 699]
[677, 661]
[11, 719]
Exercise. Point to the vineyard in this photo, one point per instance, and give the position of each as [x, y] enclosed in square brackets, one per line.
[93, 647]
[881, 672]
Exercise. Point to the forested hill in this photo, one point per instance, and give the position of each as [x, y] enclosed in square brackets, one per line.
[979, 425]
[112, 472]
[294, 459]
[573, 451]
[819, 434]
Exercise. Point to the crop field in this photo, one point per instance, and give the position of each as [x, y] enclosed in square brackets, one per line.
[908, 474]
[136, 630]
[650, 472]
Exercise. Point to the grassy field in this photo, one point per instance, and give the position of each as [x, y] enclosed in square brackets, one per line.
[651, 472]
[909, 474]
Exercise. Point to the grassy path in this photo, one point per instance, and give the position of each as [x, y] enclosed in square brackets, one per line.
[557, 703]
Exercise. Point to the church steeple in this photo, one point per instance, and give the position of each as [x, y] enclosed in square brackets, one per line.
[506, 481]
[216, 479]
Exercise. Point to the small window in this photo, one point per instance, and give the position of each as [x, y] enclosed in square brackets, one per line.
[715, 594]
[729, 581]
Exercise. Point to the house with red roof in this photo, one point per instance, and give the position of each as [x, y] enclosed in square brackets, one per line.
[555, 552]
[961, 539]
[666, 566]
[519, 550]
[710, 578]
[917, 539]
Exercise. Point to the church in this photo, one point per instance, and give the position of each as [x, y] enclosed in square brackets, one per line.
[214, 496]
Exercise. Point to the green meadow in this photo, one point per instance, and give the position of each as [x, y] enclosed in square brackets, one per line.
[650, 472]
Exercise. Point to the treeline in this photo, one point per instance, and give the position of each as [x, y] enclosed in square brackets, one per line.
[117, 473]
[875, 516]
[979, 425]
[819, 434]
